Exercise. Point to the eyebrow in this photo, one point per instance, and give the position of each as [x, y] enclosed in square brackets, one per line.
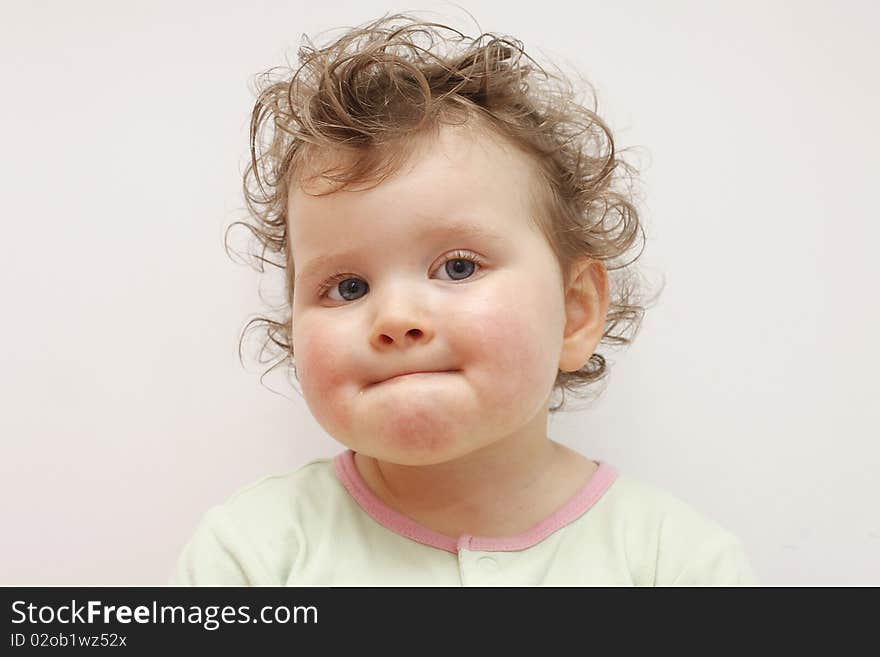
[313, 266]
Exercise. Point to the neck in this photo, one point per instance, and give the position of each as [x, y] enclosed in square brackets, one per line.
[502, 488]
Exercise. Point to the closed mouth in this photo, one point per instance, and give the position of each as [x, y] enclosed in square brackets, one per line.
[399, 376]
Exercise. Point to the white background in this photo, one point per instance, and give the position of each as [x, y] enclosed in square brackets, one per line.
[750, 392]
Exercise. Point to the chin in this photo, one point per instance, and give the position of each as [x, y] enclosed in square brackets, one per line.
[412, 447]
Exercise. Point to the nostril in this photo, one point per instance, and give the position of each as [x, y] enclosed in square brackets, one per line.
[387, 339]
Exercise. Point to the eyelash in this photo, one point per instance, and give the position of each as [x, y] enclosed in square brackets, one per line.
[455, 255]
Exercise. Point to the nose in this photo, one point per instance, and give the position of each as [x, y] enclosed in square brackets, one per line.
[398, 322]
[400, 337]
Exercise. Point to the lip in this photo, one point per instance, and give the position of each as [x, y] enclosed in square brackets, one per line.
[403, 374]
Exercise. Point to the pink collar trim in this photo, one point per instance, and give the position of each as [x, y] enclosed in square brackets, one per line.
[580, 503]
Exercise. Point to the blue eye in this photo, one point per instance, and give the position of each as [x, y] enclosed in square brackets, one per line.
[351, 286]
[459, 265]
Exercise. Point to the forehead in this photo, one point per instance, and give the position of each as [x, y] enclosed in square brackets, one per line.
[460, 177]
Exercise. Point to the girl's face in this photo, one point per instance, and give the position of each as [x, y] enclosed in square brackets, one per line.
[438, 269]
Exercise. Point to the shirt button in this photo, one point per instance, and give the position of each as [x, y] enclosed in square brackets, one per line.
[489, 564]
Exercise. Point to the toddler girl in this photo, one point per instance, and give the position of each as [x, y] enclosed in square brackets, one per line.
[448, 219]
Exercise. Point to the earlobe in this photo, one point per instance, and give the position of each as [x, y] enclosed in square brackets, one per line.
[586, 307]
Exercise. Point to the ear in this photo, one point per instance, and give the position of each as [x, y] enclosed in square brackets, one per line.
[586, 306]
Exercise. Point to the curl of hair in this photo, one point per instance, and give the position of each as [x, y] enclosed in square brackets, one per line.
[375, 88]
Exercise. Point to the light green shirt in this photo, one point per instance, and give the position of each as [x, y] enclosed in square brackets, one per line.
[321, 525]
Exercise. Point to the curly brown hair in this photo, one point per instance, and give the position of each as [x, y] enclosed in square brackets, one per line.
[370, 92]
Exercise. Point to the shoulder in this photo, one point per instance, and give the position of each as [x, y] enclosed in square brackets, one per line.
[256, 534]
[641, 505]
[276, 496]
[669, 541]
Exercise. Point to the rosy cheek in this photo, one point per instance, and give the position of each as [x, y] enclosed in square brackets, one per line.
[492, 328]
[513, 339]
[324, 371]
[319, 365]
